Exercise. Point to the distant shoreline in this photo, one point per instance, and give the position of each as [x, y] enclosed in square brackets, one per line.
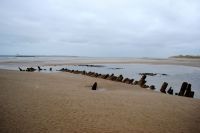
[186, 56]
[66, 60]
[36, 56]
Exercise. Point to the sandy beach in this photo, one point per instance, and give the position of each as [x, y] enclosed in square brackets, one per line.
[64, 102]
[99, 66]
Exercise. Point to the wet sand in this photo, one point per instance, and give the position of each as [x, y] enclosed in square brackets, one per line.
[64, 102]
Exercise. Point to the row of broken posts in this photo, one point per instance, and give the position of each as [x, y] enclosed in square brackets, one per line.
[184, 91]
[31, 69]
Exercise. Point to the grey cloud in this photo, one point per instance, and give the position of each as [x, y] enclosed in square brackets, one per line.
[106, 27]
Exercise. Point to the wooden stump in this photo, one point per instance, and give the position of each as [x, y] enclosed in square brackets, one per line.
[152, 87]
[170, 91]
[183, 88]
[94, 87]
[188, 90]
[142, 81]
[191, 94]
[163, 87]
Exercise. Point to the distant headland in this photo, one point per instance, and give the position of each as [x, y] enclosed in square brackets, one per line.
[186, 56]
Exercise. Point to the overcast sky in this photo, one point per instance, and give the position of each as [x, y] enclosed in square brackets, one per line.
[121, 28]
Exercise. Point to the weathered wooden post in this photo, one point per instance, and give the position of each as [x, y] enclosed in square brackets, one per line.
[20, 69]
[120, 78]
[39, 68]
[152, 87]
[183, 88]
[163, 87]
[106, 76]
[188, 90]
[94, 87]
[142, 81]
[191, 94]
[170, 91]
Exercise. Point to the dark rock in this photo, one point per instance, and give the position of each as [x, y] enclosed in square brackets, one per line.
[94, 87]
[163, 87]
[50, 69]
